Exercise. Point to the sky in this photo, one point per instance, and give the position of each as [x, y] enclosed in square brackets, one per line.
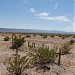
[38, 14]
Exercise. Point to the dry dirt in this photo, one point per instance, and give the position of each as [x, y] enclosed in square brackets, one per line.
[67, 66]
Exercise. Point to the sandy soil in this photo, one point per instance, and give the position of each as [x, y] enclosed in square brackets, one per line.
[67, 61]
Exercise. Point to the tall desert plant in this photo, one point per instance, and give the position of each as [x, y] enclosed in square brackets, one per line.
[17, 65]
[18, 42]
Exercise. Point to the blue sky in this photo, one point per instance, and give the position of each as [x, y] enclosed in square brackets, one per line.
[37, 14]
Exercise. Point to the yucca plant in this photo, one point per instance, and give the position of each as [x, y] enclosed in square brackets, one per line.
[17, 65]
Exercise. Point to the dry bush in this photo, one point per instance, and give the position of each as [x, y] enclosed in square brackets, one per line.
[6, 38]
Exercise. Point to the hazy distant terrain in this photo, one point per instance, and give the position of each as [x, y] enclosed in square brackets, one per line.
[33, 31]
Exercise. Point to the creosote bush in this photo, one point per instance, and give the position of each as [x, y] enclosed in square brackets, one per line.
[66, 48]
[17, 65]
[6, 38]
[43, 55]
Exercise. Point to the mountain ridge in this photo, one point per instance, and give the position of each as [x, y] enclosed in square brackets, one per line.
[33, 31]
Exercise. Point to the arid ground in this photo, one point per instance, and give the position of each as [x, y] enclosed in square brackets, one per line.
[67, 66]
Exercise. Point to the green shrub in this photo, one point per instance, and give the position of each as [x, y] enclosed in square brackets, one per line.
[43, 55]
[71, 42]
[17, 65]
[18, 41]
[6, 38]
[65, 48]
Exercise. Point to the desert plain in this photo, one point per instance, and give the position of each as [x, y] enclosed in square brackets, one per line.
[67, 64]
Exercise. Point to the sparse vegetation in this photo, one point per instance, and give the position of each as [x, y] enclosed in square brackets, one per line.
[28, 36]
[73, 36]
[45, 36]
[52, 35]
[65, 48]
[17, 65]
[6, 38]
[43, 55]
[71, 42]
[18, 41]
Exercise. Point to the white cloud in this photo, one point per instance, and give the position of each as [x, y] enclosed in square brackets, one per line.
[44, 14]
[32, 10]
[56, 5]
[58, 18]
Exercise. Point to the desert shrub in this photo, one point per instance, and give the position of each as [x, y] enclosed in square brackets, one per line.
[45, 36]
[18, 41]
[63, 36]
[73, 36]
[28, 36]
[71, 42]
[41, 34]
[6, 38]
[43, 55]
[34, 34]
[65, 48]
[52, 35]
[59, 35]
[17, 65]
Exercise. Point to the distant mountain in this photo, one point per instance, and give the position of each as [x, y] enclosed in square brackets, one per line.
[33, 31]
